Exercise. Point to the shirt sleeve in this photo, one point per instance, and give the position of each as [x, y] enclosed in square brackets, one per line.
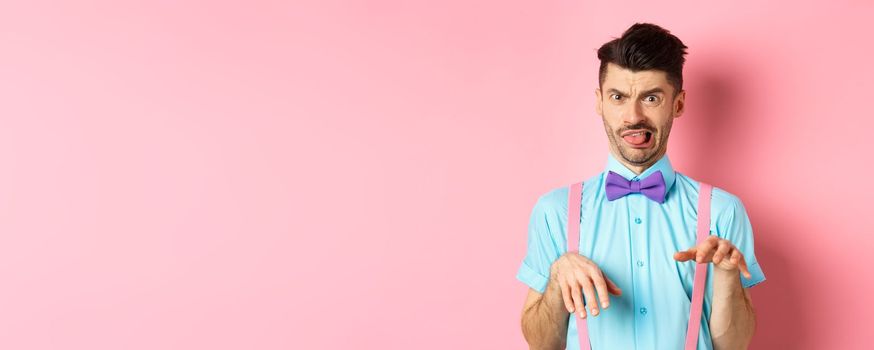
[545, 240]
[734, 225]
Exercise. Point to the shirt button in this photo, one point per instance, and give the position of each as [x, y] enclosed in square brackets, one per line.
[643, 311]
[637, 220]
[640, 263]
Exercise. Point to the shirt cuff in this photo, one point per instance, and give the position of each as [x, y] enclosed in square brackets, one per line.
[757, 276]
[532, 278]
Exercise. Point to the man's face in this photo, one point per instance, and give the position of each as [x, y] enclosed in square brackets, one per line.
[638, 109]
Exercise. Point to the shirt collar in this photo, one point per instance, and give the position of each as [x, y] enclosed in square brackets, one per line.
[663, 164]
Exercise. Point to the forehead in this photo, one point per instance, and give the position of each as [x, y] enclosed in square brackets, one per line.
[625, 80]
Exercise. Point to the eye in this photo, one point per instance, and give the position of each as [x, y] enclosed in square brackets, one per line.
[615, 97]
[651, 98]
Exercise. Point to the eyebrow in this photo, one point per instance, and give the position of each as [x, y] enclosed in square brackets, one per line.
[647, 92]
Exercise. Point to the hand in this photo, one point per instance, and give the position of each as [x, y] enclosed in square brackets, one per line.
[716, 250]
[573, 272]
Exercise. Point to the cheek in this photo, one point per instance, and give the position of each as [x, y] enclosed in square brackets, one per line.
[610, 123]
[662, 116]
[612, 113]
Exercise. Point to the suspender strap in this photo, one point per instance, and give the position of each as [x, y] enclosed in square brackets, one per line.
[573, 243]
[700, 269]
[575, 198]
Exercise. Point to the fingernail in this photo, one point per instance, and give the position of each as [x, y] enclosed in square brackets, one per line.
[594, 312]
[604, 305]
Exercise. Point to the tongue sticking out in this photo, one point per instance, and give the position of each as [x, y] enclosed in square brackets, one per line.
[636, 139]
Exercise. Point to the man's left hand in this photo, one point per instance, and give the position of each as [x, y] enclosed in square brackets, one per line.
[720, 251]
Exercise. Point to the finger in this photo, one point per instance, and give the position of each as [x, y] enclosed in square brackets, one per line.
[601, 288]
[705, 248]
[577, 298]
[743, 266]
[566, 295]
[612, 287]
[686, 255]
[709, 256]
[735, 256]
[589, 292]
[722, 250]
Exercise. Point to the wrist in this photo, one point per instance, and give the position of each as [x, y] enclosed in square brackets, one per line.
[726, 274]
[552, 297]
[726, 282]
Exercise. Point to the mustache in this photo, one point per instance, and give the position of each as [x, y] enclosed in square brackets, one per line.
[638, 127]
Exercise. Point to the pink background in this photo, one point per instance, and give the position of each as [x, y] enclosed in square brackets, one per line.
[359, 174]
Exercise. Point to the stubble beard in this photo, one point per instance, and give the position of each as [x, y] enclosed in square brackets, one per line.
[633, 156]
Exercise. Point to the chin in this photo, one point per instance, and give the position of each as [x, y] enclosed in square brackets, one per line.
[637, 155]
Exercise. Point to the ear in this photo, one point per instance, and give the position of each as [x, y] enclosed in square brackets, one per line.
[598, 107]
[680, 104]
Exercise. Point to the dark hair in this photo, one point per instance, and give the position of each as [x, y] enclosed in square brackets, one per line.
[645, 46]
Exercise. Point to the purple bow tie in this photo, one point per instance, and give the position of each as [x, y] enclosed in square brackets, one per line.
[652, 186]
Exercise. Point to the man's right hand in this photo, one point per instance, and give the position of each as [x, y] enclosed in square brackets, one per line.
[575, 273]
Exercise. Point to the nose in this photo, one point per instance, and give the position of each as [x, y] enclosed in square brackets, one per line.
[633, 114]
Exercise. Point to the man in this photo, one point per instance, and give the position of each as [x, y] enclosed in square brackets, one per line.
[637, 254]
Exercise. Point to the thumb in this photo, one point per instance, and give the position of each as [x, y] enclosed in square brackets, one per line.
[612, 287]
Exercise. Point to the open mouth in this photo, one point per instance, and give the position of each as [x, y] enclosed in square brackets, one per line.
[638, 138]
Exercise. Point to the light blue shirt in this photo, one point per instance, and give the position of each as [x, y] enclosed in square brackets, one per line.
[633, 240]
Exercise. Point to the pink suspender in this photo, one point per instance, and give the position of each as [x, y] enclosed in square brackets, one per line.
[700, 269]
[573, 241]
[575, 198]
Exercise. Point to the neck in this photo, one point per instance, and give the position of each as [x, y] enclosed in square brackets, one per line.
[638, 168]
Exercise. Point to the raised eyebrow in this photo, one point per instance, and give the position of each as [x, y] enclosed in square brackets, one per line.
[614, 91]
[653, 91]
